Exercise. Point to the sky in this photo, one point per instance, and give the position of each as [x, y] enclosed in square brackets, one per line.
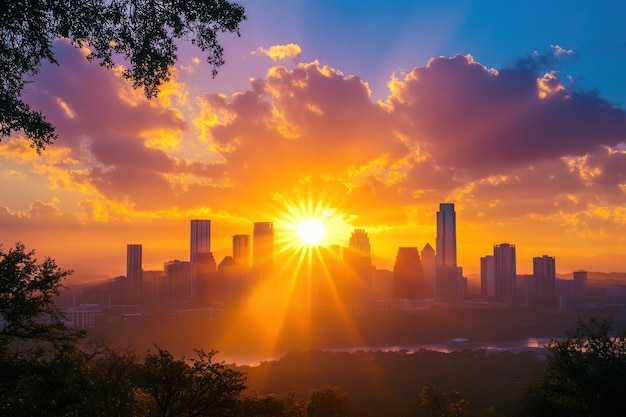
[363, 114]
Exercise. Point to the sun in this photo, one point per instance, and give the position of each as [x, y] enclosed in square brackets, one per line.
[311, 231]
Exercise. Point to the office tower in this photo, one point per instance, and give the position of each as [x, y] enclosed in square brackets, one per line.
[360, 243]
[505, 270]
[180, 281]
[235, 280]
[449, 284]
[133, 269]
[544, 272]
[580, 283]
[446, 235]
[241, 250]
[200, 238]
[358, 278]
[487, 276]
[408, 275]
[429, 265]
[263, 249]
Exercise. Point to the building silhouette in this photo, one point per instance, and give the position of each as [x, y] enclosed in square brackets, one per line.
[241, 250]
[487, 276]
[180, 279]
[580, 283]
[357, 288]
[133, 269]
[429, 266]
[408, 275]
[544, 272]
[542, 292]
[235, 280]
[446, 235]
[505, 269]
[449, 276]
[200, 239]
[263, 250]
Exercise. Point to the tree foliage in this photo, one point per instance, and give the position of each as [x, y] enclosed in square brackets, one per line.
[327, 402]
[442, 403]
[198, 387]
[585, 374]
[142, 33]
[27, 309]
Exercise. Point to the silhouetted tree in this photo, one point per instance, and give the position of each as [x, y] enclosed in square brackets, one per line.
[444, 404]
[585, 374]
[327, 402]
[142, 32]
[31, 322]
[37, 349]
[194, 387]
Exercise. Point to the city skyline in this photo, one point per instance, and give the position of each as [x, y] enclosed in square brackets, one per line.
[517, 117]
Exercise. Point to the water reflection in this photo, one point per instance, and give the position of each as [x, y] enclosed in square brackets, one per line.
[453, 345]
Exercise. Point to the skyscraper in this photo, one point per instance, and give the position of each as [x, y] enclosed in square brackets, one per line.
[487, 276]
[449, 275]
[358, 279]
[360, 243]
[263, 249]
[241, 250]
[408, 275]
[200, 238]
[580, 283]
[505, 270]
[544, 272]
[429, 265]
[133, 269]
[446, 235]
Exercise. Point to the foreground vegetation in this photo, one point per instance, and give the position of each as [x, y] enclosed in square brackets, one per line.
[46, 371]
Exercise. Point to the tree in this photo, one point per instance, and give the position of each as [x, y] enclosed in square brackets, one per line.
[585, 374]
[195, 387]
[37, 349]
[444, 404]
[327, 402]
[143, 33]
[31, 319]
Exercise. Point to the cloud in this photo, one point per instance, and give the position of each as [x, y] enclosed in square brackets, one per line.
[468, 117]
[512, 147]
[277, 53]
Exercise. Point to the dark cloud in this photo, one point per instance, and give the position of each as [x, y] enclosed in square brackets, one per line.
[467, 116]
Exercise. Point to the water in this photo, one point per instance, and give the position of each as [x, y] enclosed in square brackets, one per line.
[453, 345]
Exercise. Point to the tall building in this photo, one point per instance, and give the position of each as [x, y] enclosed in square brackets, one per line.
[580, 283]
[200, 239]
[263, 249]
[487, 276]
[180, 281]
[544, 272]
[235, 280]
[357, 287]
[360, 243]
[408, 275]
[449, 283]
[241, 250]
[429, 265]
[133, 269]
[446, 235]
[505, 270]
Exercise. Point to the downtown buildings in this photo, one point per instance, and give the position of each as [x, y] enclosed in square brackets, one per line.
[327, 277]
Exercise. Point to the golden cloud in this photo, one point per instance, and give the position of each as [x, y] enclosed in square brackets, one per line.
[280, 52]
